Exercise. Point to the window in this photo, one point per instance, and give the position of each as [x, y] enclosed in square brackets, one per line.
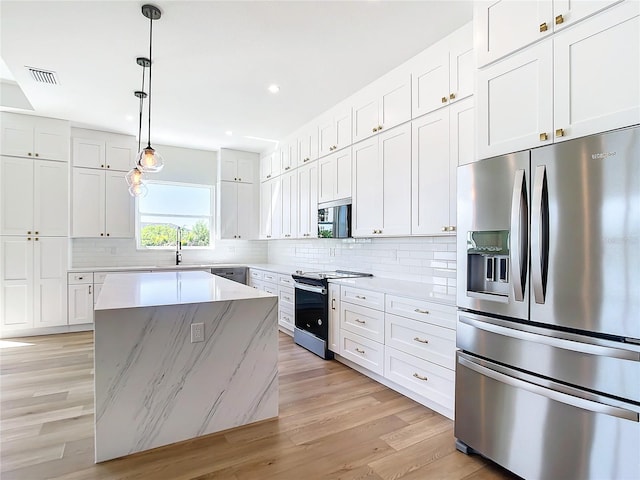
[168, 206]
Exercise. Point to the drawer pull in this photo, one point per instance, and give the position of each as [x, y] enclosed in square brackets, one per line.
[421, 340]
[420, 377]
[361, 297]
[360, 321]
[417, 310]
[80, 278]
[359, 351]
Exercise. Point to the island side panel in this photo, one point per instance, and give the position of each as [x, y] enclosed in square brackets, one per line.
[154, 387]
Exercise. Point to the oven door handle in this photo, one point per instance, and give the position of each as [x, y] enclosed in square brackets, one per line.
[311, 288]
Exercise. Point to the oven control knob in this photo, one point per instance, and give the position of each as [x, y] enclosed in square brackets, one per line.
[319, 321]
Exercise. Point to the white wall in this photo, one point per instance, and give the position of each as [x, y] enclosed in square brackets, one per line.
[186, 165]
[421, 259]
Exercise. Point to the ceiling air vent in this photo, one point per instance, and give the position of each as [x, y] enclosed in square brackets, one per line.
[43, 76]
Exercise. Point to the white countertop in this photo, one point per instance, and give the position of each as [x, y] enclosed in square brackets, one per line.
[131, 290]
[402, 288]
[154, 268]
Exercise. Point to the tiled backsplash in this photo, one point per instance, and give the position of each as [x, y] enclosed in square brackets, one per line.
[420, 259]
[111, 252]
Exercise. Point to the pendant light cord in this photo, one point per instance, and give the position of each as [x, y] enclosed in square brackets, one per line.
[141, 107]
[150, 61]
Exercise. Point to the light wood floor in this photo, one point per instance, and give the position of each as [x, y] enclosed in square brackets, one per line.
[334, 424]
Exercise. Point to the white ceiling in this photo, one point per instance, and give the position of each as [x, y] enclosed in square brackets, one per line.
[213, 61]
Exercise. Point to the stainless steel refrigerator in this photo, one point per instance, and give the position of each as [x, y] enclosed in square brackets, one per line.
[548, 366]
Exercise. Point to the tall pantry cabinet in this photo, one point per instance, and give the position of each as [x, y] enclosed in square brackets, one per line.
[34, 172]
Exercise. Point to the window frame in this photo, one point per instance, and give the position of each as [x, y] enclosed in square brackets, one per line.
[212, 216]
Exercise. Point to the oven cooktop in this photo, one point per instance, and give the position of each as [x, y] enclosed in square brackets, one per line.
[300, 275]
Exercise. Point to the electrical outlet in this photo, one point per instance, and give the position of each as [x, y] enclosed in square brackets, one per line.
[197, 332]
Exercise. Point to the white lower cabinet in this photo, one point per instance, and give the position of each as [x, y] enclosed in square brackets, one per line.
[334, 318]
[33, 282]
[282, 286]
[362, 351]
[363, 321]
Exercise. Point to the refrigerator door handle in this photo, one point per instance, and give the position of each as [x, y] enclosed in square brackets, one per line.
[518, 247]
[539, 234]
[548, 392]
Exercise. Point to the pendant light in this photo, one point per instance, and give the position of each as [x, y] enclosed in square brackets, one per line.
[134, 176]
[148, 160]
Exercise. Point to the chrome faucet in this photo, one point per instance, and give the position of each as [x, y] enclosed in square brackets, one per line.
[178, 245]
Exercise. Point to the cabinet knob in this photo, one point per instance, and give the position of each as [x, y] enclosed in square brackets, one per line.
[102, 234]
[37, 154]
[29, 154]
[560, 132]
[36, 239]
[239, 179]
[239, 236]
[544, 136]
[108, 166]
[268, 176]
[379, 127]
[36, 233]
[374, 129]
[543, 27]
[444, 229]
[286, 168]
[452, 228]
[452, 96]
[102, 166]
[559, 19]
[108, 234]
[29, 232]
[444, 99]
[28, 238]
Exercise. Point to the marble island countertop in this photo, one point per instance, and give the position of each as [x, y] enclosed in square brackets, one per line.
[131, 290]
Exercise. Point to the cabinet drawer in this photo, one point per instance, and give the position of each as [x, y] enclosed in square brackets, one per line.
[272, 289]
[256, 274]
[75, 278]
[435, 313]
[287, 281]
[286, 295]
[270, 277]
[256, 284]
[363, 351]
[364, 321]
[365, 298]
[428, 342]
[424, 378]
[285, 319]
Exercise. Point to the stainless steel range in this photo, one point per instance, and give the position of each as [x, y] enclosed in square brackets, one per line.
[311, 329]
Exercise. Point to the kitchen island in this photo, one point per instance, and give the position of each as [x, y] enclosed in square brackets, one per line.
[156, 384]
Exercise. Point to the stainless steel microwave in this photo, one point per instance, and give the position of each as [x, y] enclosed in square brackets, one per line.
[334, 219]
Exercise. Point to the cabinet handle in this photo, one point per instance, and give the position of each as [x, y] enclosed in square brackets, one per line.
[543, 27]
[559, 19]
[89, 289]
[417, 310]
[452, 96]
[108, 166]
[421, 340]
[268, 176]
[379, 127]
[239, 179]
[444, 99]
[80, 278]
[286, 168]
[420, 377]
[235, 178]
[305, 160]
[333, 304]
[374, 129]
[361, 297]
[239, 236]
[359, 351]
[560, 132]
[36, 233]
[544, 137]
[360, 321]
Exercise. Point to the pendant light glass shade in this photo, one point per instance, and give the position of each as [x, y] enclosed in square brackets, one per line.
[149, 161]
[133, 176]
[138, 190]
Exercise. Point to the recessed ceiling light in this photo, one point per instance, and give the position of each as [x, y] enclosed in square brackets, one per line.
[228, 132]
[274, 88]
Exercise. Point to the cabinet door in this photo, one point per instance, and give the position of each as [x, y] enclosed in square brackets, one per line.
[80, 304]
[334, 318]
[365, 115]
[228, 169]
[515, 102]
[119, 207]
[430, 164]
[50, 281]
[121, 154]
[590, 100]
[394, 93]
[367, 189]
[17, 135]
[462, 135]
[88, 203]
[461, 63]
[289, 204]
[430, 80]
[395, 152]
[16, 195]
[89, 153]
[276, 208]
[568, 12]
[504, 26]
[342, 125]
[343, 174]
[266, 171]
[307, 146]
[51, 139]
[16, 283]
[228, 221]
[51, 199]
[246, 170]
[247, 211]
[308, 200]
[265, 209]
[326, 136]
[326, 178]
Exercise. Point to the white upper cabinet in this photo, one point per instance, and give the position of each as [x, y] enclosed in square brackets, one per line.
[289, 155]
[382, 105]
[589, 100]
[270, 165]
[237, 166]
[104, 151]
[289, 185]
[33, 197]
[505, 26]
[382, 184]
[34, 137]
[334, 130]
[443, 73]
[271, 209]
[307, 140]
[237, 205]
[307, 222]
[119, 207]
[334, 176]
[515, 102]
